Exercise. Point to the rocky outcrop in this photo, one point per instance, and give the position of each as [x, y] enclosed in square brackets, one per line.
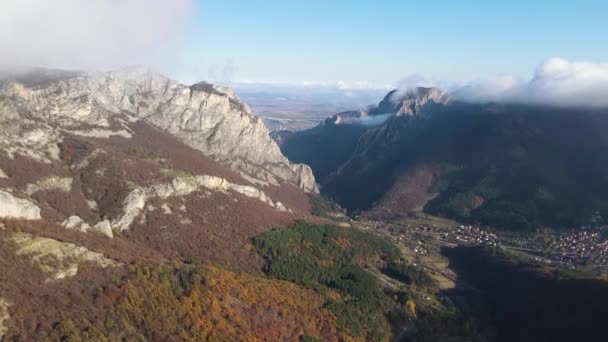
[17, 208]
[135, 202]
[56, 258]
[208, 118]
[76, 223]
[132, 207]
[102, 133]
[305, 179]
[63, 184]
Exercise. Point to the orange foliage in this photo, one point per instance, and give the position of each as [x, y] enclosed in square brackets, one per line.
[256, 307]
[191, 303]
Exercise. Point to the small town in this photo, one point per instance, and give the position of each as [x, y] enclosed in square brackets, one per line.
[580, 248]
[584, 248]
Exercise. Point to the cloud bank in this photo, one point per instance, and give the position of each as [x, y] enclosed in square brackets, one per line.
[557, 82]
[89, 34]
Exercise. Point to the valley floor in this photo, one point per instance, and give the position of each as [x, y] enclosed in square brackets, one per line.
[463, 260]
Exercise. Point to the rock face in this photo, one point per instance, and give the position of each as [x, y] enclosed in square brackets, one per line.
[76, 223]
[51, 183]
[34, 114]
[182, 186]
[17, 208]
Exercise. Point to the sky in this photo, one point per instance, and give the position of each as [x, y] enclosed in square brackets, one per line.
[382, 41]
[355, 43]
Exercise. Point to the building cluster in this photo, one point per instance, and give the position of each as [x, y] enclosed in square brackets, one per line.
[475, 235]
[580, 247]
[420, 247]
[431, 229]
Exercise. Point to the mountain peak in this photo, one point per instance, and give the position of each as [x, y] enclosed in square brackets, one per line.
[410, 102]
[433, 93]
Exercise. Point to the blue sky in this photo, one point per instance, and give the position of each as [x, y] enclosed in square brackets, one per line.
[290, 41]
[381, 42]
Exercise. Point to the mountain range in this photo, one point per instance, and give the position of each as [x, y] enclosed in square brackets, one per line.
[135, 207]
[512, 166]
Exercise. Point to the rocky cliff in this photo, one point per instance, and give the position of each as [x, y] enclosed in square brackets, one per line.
[36, 109]
[131, 161]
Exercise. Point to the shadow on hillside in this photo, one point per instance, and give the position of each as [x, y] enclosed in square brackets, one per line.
[521, 303]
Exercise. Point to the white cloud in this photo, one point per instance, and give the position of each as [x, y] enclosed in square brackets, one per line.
[555, 82]
[413, 81]
[89, 33]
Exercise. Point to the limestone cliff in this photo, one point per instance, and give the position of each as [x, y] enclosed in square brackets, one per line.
[36, 110]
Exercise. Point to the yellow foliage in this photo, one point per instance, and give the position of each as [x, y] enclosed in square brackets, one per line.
[410, 305]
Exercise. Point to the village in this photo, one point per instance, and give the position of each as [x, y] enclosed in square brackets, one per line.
[580, 248]
[583, 249]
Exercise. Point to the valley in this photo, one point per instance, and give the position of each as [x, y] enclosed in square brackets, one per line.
[303, 171]
[396, 177]
[136, 207]
[511, 292]
[162, 229]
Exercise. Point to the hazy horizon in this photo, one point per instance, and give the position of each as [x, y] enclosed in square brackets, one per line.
[541, 52]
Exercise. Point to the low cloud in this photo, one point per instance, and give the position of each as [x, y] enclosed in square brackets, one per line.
[372, 120]
[91, 33]
[412, 81]
[409, 83]
[556, 82]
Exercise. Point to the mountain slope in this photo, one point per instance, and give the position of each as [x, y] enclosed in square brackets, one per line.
[96, 176]
[513, 166]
